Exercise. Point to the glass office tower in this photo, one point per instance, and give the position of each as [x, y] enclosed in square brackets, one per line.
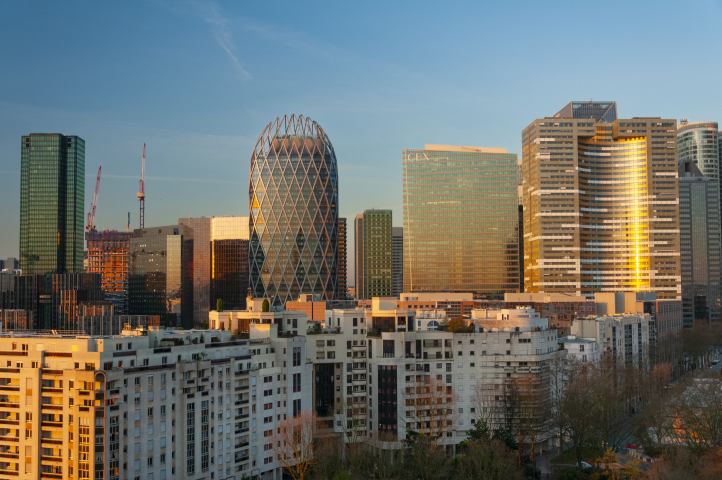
[373, 254]
[699, 229]
[52, 196]
[201, 268]
[397, 261]
[342, 260]
[160, 279]
[229, 262]
[601, 203]
[460, 220]
[293, 199]
[698, 143]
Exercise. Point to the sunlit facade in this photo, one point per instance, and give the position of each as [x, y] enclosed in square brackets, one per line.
[461, 220]
[293, 199]
[201, 267]
[600, 203]
[229, 262]
[699, 143]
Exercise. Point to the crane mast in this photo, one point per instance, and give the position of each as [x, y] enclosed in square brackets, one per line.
[91, 214]
[141, 193]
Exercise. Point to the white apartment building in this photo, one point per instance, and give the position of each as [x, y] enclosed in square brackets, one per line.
[625, 336]
[148, 404]
[511, 344]
[583, 350]
[289, 321]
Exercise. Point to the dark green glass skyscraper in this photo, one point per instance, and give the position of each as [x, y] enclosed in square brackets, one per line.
[52, 197]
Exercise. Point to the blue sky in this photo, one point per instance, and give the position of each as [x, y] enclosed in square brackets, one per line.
[198, 81]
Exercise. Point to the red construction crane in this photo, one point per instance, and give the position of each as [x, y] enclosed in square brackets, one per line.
[141, 194]
[91, 215]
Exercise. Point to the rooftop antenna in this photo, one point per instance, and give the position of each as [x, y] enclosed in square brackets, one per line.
[141, 194]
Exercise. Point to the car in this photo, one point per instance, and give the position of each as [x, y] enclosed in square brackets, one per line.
[586, 466]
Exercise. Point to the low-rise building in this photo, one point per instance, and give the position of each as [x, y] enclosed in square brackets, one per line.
[625, 336]
[290, 322]
[582, 350]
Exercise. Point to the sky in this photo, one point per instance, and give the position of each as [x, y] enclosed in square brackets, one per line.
[197, 82]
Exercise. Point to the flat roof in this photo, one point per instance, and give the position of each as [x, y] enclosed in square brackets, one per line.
[456, 148]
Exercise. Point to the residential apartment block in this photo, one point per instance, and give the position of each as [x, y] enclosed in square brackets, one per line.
[151, 404]
[625, 336]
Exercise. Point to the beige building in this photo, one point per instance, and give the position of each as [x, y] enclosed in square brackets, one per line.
[625, 336]
[151, 404]
[601, 209]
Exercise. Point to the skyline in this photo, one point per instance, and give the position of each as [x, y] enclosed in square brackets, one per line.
[199, 81]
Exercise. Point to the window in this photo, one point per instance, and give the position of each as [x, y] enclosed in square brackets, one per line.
[297, 357]
[296, 407]
[296, 382]
[137, 381]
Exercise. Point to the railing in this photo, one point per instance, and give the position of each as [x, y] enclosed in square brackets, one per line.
[9, 455]
[51, 458]
[51, 441]
[9, 405]
[13, 473]
[52, 424]
[9, 439]
[9, 388]
[52, 390]
[8, 421]
[242, 387]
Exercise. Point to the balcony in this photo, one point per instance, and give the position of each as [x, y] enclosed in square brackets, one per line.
[9, 455]
[51, 459]
[12, 473]
[242, 402]
[242, 430]
[9, 421]
[9, 405]
[242, 416]
[51, 406]
[238, 460]
[52, 424]
[9, 439]
[53, 390]
[241, 445]
[50, 442]
[242, 387]
[9, 388]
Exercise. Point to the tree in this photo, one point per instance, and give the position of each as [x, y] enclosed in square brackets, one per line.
[293, 442]
[431, 407]
[219, 304]
[579, 406]
[488, 460]
[485, 403]
[458, 325]
[265, 306]
[425, 459]
[350, 417]
[700, 414]
[561, 371]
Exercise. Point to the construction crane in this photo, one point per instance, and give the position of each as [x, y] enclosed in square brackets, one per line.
[91, 214]
[127, 227]
[141, 194]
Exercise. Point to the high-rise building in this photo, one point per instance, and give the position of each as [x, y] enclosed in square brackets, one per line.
[699, 143]
[10, 263]
[107, 255]
[397, 261]
[600, 203]
[52, 197]
[699, 231]
[229, 262]
[461, 220]
[160, 278]
[342, 259]
[201, 267]
[293, 198]
[372, 233]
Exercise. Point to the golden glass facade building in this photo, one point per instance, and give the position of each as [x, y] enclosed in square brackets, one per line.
[601, 207]
[460, 220]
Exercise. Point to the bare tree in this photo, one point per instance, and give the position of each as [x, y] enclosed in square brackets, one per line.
[350, 419]
[430, 407]
[579, 404]
[486, 404]
[561, 371]
[700, 414]
[489, 460]
[293, 443]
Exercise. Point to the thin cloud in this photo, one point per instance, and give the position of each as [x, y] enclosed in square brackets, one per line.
[172, 179]
[222, 33]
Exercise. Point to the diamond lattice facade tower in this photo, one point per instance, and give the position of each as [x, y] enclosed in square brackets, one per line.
[293, 198]
[52, 194]
[461, 220]
[601, 208]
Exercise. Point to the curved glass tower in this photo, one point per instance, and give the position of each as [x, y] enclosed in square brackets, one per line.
[293, 199]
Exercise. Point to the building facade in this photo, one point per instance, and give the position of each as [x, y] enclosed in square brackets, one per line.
[107, 255]
[293, 199]
[229, 262]
[699, 225]
[460, 220]
[601, 203]
[397, 261]
[161, 274]
[342, 259]
[201, 267]
[625, 336]
[698, 143]
[151, 404]
[372, 233]
[52, 198]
